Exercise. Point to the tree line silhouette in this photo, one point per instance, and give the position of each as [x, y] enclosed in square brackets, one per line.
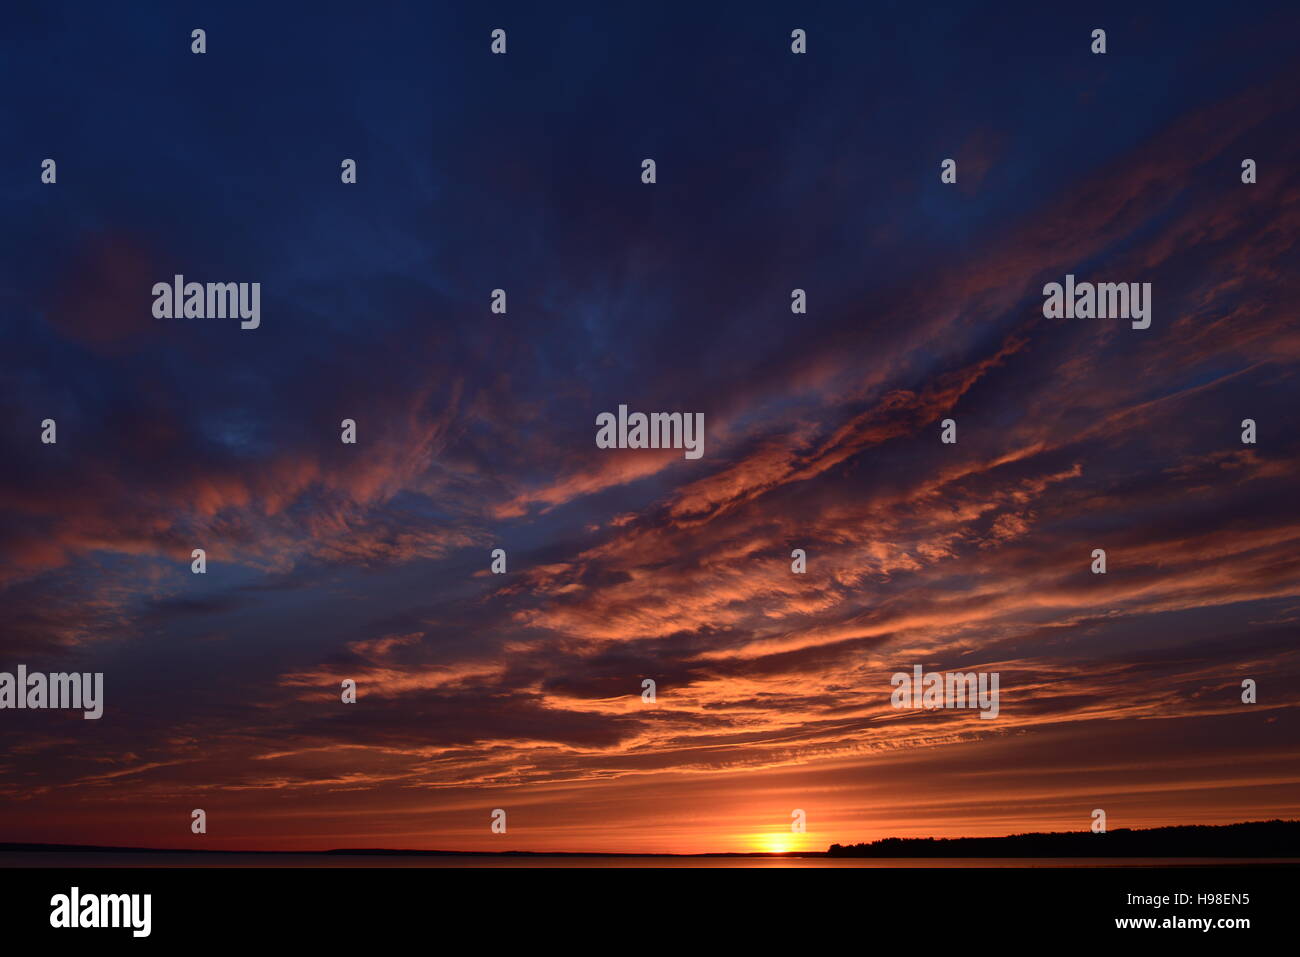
[1252, 839]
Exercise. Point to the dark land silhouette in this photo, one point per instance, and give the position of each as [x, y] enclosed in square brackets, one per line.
[1252, 839]
[1256, 839]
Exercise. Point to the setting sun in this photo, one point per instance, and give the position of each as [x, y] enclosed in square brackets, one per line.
[775, 843]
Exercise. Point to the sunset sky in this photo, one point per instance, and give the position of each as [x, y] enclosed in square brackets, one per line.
[476, 431]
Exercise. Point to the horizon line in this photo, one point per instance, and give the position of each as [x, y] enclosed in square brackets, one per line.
[54, 848]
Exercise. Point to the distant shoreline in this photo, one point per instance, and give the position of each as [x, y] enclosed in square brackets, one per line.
[1256, 839]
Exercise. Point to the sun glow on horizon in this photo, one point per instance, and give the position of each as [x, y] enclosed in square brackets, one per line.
[777, 843]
